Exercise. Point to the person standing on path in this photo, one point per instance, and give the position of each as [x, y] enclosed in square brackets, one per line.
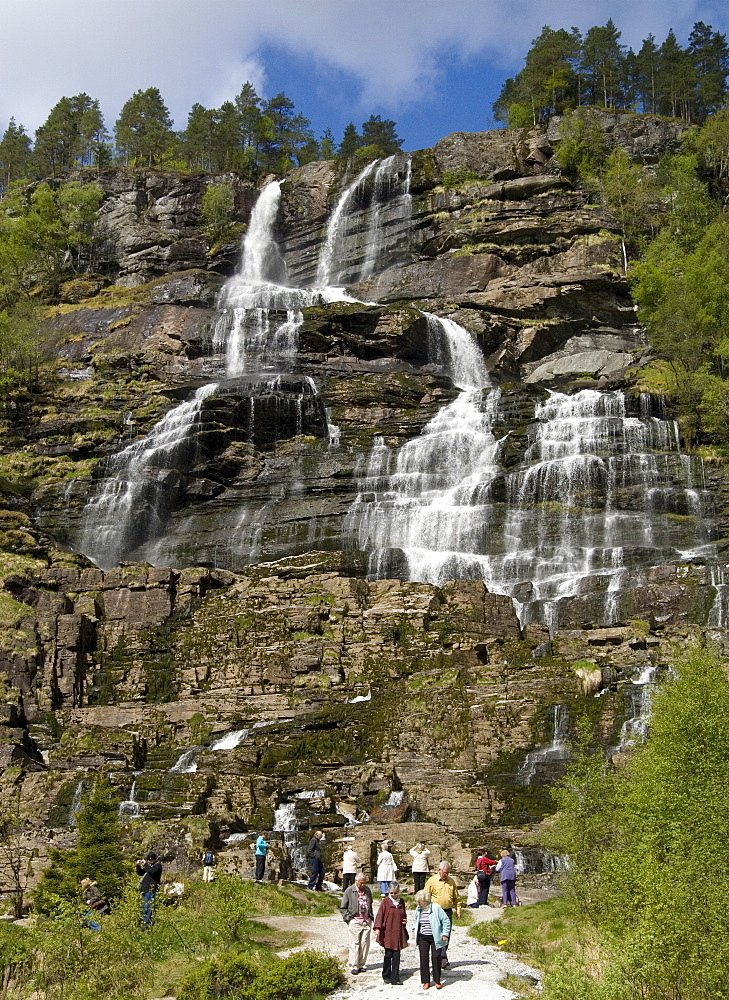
[386, 867]
[431, 929]
[351, 861]
[391, 933]
[356, 910]
[421, 869]
[208, 863]
[484, 866]
[150, 871]
[316, 862]
[261, 852]
[444, 891]
[507, 874]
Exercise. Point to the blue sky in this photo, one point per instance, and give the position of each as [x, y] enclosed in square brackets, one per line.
[434, 66]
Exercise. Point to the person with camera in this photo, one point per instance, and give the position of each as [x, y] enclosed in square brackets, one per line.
[149, 870]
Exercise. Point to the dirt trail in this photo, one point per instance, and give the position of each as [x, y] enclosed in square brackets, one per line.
[473, 974]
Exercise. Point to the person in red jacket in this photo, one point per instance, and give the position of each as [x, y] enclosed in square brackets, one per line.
[391, 933]
[484, 867]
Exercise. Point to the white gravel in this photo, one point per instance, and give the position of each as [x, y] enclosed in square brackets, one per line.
[474, 971]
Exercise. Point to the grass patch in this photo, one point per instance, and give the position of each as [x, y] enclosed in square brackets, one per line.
[541, 933]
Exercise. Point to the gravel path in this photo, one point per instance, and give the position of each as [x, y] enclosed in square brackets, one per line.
[473, 974]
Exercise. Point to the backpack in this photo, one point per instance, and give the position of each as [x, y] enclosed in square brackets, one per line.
[209, 858]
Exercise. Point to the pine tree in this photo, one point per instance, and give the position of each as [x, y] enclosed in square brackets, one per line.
[14, 154]
[351, 141]
[709, 57]
[381, 134]
[327, 149]
[603, 64]
[144, 129]
[98, 854]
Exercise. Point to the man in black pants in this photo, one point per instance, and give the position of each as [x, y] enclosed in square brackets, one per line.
[150, 871]
[316, 862]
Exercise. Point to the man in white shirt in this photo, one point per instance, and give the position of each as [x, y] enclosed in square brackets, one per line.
[351, 862]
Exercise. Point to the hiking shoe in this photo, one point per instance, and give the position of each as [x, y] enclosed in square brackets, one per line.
[354, 970]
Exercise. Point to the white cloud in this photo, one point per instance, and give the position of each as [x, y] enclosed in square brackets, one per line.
[394, 50]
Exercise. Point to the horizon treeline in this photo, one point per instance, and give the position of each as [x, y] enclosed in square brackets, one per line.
[248, 134]
[565, 69]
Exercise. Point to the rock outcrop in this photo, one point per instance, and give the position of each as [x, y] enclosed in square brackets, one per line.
[236, 663]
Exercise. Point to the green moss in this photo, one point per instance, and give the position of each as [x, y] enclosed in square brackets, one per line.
[11, 611]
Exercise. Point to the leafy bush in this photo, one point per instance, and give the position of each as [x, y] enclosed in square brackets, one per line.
[305, 973]
[239, 977]
[226, 975]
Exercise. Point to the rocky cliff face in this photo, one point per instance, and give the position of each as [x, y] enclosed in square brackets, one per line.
[243, 668]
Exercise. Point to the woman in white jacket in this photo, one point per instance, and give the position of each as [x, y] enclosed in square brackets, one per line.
[386, 867]
[421, 869]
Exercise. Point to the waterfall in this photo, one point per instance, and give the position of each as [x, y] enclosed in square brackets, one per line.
[229, 741]
[368, 220]
[556, 751]
[284, 821]
[639, 698]
[600, 496]
[430, 501]
[186, 763]
[131, 506]
[130, 808]
[75, 804]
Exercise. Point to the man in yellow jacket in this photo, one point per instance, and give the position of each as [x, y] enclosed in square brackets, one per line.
[444, 891]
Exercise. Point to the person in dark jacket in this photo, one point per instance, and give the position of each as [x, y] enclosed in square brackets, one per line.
[150, 871]
[391, 933]
[316, 862]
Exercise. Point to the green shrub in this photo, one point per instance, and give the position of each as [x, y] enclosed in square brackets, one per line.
[226, 975]
[305, 973]
[238, 977]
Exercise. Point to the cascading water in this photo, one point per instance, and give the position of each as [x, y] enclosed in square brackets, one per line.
[370, 218]
[75, 804]
[285, 822]
[600, 496]
[186, 763]
[130, 808]
[257, 326]
[131, 505]
[556, 751]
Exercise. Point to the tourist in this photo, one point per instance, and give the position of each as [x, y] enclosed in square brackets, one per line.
[96, 903]
[472, 893]
[421, 869]
[93, 896]
[386, 867]
[391, 933]
[261, 852]
[150, 871]
[507, 875]
[444, 891]
[356, 910]
[484, 867]
[432, 928]
[316, 862]
[208, 863]
[351, 862]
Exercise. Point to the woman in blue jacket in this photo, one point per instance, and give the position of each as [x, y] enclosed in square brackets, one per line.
[431, 930]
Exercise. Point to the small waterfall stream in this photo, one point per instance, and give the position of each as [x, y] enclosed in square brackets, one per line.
[285, 822]
[130, 808]
[556, 751]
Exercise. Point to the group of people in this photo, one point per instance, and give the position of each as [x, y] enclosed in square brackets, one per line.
[478, 887]
[149, 870]
[436, 897]
[430, 927]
